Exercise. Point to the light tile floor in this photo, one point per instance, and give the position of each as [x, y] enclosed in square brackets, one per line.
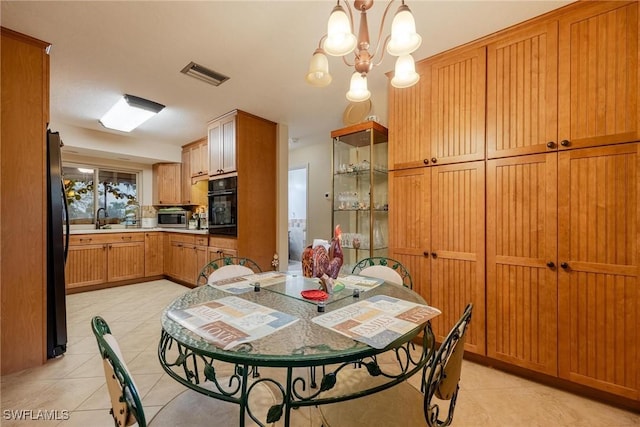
[75, 381]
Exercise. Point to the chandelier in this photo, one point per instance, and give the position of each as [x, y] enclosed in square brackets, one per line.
[341, 41]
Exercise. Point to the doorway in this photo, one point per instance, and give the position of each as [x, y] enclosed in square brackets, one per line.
[297, 224]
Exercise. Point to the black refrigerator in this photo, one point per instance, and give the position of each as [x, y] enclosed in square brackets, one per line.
[57, 247]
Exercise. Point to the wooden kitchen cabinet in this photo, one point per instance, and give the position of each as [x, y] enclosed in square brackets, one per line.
[522, 86]
[562, 198]
[184, 261]
[188, 254]
[194, 190]
[409, 123]
[456, 110]
[102, 258]
[220, 247]
[567, 82]
[246, 146]
[167, 181]
[599, 265]
[436, 217]
[598, 74]
[409, 223]
[222, 144]
[125, 259]
[522, 284]
[153, 254]
[199, 159]
[86, 265]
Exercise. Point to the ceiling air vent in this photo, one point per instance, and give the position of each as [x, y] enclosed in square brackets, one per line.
[204, 74]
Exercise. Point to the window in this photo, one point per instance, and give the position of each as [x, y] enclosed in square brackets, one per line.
[116, 191]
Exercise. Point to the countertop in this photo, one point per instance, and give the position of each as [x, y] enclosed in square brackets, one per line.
[137, 230]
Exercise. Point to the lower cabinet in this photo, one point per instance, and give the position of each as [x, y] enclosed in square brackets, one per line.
[436, 223]
[563, 265]
[522, 283]
[86, 265]
[188, 253]
[125, 261]
[97, 259]
[153, 254]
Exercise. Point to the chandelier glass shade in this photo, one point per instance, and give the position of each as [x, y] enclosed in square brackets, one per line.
[341, 41]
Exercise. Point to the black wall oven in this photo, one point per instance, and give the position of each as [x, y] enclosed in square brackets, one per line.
[223, 202]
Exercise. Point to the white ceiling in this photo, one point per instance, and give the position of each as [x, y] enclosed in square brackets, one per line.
[103, 49]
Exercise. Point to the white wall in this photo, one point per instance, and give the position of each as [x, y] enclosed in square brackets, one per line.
[318, 157]
[109, 145]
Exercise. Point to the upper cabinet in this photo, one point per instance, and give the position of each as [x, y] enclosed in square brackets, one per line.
[456, 112]
[598, 75]
[198, 159]
[167, 184]
[408, 123]
[565, 83]
[522, 83]
[222, 144]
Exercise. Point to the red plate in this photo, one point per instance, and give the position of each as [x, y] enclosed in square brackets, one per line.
[315, 294]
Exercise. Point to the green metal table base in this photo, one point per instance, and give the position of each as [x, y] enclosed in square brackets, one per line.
[195, 370]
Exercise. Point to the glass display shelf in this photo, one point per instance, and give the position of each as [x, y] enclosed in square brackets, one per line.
[360, 191]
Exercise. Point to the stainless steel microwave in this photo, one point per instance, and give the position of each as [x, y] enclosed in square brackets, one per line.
[173, 218]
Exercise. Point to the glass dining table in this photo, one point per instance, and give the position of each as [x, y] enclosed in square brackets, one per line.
[305, 342]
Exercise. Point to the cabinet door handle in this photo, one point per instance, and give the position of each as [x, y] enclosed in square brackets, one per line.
[425, 161]
[434, 255]
[565, 143]
[434, 160]
[551, 144]
[87, 239]
[425, 253]
[564, 265]
[551, 264]
[126, 237]
[109, 245]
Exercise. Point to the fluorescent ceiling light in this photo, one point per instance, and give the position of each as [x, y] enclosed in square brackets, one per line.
[129, 113]
[85, 170]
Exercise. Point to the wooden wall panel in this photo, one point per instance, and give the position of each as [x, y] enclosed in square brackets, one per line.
[522, 78]
[23, 253]
[409, 233]
[457, 107]
[599, 295]
[521, 241]
[457, 248]
[598, 69]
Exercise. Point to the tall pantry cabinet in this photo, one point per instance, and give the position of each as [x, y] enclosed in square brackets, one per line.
[23, 200]
[562, 196]
[446, 254]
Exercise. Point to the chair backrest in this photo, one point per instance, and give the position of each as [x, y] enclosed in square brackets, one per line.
[225, 268]
[126, 406]
[384, 268]
[444, 370]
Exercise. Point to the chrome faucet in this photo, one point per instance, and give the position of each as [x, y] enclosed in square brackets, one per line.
[98, 217]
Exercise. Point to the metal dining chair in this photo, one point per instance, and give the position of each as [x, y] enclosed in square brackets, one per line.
[405, 405]
[188, 408]
[384, 268]
[226, 268]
